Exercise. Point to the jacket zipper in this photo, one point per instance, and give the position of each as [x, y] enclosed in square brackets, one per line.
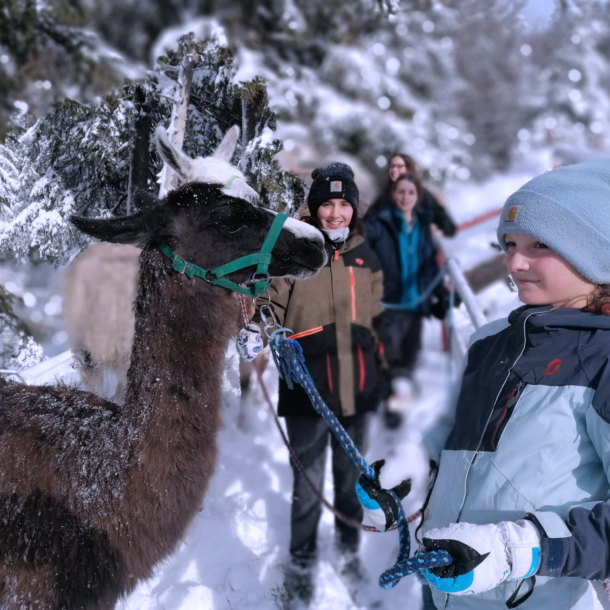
[352, 281]
[476, 453]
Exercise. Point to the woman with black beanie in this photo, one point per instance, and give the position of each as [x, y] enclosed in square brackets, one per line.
[331, 315]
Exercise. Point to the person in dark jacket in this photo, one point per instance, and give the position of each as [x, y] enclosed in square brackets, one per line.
[400, 235]
[331, 315]
[400, 164]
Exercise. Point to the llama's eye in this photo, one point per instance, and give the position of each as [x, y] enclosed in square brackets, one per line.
[230, 227]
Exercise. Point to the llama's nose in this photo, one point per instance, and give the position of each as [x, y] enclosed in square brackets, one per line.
[316, 243]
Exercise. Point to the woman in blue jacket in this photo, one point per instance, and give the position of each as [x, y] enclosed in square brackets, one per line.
[401, 236]
[522, 496]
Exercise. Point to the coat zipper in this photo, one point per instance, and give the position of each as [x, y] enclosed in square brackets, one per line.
[352, 282]
[476, 453]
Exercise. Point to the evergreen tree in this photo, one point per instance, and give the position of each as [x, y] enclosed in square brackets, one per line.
[77, 159]
[46, 55]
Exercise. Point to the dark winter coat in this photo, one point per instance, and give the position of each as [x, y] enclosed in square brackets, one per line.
[382, 231]
[440, 216]
[331, 315]
[531, 436]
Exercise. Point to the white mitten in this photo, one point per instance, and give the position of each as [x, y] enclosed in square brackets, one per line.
[249, 343]
[484, 555]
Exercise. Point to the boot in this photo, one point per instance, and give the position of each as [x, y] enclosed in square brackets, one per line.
[298, 584]
[357, 582]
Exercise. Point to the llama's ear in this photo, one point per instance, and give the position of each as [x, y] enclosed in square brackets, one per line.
[126, 230]
[240, 188]
[226, 148]
[177, 160]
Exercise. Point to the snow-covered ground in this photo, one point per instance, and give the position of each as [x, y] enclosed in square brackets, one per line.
[235, 550]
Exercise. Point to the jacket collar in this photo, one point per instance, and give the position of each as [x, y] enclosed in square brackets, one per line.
[564, 317]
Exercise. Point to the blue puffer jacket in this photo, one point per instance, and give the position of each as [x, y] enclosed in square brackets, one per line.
[532, 437]
[382, 231]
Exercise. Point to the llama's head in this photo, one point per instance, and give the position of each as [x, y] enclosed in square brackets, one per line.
[216, 169]
[209, 228]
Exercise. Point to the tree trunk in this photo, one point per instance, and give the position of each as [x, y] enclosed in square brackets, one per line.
[177, 126]
[138, 170]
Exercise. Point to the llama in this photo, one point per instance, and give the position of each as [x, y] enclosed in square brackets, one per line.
[94, 495]
[99, 287]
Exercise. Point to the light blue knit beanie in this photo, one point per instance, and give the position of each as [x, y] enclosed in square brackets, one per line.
[568, 209]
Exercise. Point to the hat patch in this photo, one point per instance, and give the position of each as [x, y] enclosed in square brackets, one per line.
[512, 214]
[336, 186]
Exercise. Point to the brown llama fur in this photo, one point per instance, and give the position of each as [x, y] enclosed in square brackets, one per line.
[93, 495]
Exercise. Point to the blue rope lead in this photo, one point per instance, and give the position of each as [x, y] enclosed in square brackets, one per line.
[288, 356]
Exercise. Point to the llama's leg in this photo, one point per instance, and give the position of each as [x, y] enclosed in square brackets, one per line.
[92, 373]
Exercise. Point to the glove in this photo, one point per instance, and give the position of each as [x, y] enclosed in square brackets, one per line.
[378, 504]
[484, 555]
[249, 343]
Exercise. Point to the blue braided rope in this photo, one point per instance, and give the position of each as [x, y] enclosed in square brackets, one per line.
[290, 362]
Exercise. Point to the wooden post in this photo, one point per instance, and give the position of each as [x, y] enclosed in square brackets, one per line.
[177, 127]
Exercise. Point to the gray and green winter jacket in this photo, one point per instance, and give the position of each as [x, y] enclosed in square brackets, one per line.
[531, 436]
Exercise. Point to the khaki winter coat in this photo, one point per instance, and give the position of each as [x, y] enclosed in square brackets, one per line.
[331, 315]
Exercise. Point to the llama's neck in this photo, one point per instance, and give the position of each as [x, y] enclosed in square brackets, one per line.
[174, 394]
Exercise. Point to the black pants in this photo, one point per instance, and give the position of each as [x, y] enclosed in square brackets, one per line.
[309, 438]
[400, 332]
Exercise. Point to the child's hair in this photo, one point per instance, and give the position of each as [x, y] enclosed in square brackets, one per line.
[600, 302]
[409, 177]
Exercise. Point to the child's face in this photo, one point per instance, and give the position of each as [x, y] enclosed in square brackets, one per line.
[542, 277]
[335, 214]
[405, 195]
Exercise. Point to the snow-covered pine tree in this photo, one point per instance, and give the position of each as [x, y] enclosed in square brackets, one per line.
[18, 350]
[77, 159]
[47, 54]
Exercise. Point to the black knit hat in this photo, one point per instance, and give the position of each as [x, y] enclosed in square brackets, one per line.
[332, 181]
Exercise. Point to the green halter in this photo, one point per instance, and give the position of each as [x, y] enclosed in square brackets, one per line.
[261, 259]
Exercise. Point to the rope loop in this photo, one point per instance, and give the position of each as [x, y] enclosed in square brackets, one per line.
[290, 362]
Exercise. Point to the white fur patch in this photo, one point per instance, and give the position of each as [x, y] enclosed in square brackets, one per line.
[304, 230]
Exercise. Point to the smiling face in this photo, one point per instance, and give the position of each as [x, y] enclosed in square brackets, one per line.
[542, 276]
[335, 214]
[406, 196]
[397, 167]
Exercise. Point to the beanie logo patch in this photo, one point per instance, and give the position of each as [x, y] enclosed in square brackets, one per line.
[512, 214]
[336, 186]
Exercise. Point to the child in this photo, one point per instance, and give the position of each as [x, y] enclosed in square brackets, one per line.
[521, 497]
[401, 237]
[331, 316]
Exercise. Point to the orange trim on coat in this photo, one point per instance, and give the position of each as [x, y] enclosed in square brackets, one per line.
[306, 333]
[352, 281]
[336, 255]
[329, 374]
[362, 369]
